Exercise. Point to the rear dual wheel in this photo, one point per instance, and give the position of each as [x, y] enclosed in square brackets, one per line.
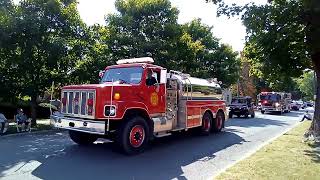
[218, 122]
[212, 125]
[206, 123]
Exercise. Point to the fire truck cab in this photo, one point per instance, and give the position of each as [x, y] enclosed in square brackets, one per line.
[137, 101]
[274, 102]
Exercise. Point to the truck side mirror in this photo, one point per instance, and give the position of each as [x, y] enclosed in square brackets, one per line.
[163, 76]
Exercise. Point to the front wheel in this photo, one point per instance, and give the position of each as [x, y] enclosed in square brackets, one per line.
[82, 138]
[253, 114]
[133, 136]
[218, 122]
[262, 112]
[230, 115]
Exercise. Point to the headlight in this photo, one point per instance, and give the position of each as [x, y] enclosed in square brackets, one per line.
[277, 104]
[109, 110]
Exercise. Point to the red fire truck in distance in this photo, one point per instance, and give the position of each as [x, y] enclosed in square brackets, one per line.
[274, 102]
[137, 101]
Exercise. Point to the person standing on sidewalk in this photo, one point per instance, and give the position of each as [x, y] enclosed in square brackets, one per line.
[3, 123]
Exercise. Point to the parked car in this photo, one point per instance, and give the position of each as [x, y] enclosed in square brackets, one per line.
[241, 106]
[295, 106]
[309, 104]
[301, 103]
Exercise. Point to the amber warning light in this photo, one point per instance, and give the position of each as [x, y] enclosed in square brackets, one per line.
[116, 96]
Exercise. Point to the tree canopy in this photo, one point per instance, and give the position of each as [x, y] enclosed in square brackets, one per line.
[41, 42]
[150, 28]
[276, 42]
[283, 40]
[306, 84]
[45, 40]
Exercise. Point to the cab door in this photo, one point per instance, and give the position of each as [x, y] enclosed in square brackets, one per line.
[154, 91]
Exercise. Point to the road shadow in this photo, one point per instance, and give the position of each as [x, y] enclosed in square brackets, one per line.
[290, 114]
[62, 159]
[256, 122]
[263, 120]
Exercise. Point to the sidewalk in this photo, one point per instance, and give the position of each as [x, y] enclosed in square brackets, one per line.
[42, 125]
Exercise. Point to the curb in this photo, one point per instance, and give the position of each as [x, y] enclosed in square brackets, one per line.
[249, 153]
[28, 133]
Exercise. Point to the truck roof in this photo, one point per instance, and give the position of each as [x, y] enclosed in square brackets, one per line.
[144, 65]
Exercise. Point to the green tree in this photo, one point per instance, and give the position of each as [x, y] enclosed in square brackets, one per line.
[306, 84]
[41, 42]
[286, 28]
[97, 56]
[213, 59]
[150, 28]
[276, 62]
[143, 28]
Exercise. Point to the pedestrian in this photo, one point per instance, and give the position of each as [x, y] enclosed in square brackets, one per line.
[22, 120]
[307, 116]
[3, 124]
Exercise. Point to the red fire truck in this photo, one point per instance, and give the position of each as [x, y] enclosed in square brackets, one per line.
[274, 102]
[137, 101]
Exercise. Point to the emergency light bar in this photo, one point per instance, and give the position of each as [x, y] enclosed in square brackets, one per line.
[136, 60]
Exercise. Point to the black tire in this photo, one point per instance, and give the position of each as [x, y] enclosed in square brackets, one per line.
[246, 115]
[218, 122]
[262, 112]
[230, 115]
[206, 124]
[253, 115]
[238, 115]
[133, 135]
[82, 138]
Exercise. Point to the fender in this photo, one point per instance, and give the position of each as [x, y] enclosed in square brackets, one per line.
[123, 107]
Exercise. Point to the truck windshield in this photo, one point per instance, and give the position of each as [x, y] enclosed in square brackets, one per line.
[126, 75]
[271, 97]
[238, 101]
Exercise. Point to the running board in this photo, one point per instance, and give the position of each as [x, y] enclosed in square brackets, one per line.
[164, 134]
[180, 129]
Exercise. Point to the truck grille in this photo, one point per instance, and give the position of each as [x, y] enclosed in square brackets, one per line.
[78, 103]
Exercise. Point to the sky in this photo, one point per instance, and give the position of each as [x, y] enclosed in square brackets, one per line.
[229, 30]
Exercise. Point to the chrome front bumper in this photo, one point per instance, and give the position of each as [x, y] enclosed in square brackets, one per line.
[78, 124]
[267, 109]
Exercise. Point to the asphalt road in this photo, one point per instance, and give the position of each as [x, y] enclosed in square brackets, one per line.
[185, 156]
